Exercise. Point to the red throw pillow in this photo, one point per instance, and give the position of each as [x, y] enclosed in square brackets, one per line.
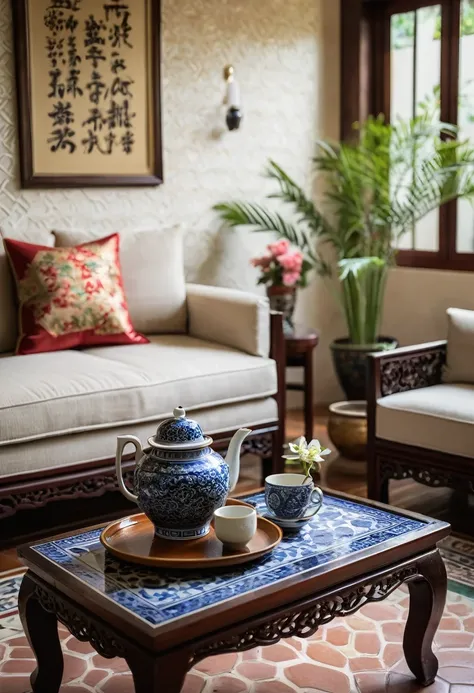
[70, 297]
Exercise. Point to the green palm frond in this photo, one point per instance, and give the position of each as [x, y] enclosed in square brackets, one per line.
[254, 215]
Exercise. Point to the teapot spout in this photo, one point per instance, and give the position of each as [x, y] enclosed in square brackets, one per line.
[233, 456]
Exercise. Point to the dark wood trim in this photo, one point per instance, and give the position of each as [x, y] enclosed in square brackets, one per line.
[24, 109]
[269, 599]
[165, 662]
[350, 70]
[278, 354]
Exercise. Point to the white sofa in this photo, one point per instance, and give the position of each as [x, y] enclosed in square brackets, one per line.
[209, 351]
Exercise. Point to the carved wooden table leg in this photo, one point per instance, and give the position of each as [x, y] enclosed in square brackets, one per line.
[427, 600]
[41, 629]
[153, 674]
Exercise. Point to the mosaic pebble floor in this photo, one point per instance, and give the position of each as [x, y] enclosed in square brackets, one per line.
[359, 654]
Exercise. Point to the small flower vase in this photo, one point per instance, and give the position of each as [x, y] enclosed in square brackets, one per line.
[283, 300]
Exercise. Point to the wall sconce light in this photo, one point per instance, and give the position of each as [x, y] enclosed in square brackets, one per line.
[232, 99]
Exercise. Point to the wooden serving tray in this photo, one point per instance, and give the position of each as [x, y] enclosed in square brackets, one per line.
[133, 539]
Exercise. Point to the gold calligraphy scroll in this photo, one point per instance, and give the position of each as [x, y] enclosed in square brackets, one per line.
[89, 96]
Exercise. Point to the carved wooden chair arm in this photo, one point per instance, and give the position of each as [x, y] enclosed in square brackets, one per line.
[406, 368]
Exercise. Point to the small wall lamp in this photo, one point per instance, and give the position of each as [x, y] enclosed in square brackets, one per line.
[232, 99]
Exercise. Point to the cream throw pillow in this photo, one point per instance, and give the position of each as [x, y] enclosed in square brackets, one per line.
[460, 356]
[153, 276]
[8, 305]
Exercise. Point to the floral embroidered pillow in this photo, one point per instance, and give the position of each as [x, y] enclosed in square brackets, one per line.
[70, 297]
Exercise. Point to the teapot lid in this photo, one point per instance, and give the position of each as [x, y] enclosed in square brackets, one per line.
[179, 433]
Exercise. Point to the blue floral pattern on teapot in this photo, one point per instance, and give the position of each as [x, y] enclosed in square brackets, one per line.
[179, 480]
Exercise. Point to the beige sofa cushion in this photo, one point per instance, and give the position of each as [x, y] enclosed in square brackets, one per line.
[153, 276]
[235, 318]
[460, 354]
[52, 394]
[8, 306]
[65, 450]
[440, 418]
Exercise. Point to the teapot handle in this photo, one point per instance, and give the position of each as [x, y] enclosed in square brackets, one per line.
[122, 441]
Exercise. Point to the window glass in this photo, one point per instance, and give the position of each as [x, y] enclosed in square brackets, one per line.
[415, 78]
[465, 212]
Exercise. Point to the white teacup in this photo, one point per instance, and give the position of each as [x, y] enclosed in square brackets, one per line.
[235, 525]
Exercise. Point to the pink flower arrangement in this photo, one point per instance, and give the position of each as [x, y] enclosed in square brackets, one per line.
[281, 266]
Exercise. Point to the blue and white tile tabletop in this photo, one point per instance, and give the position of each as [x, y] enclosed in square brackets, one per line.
[341, 528]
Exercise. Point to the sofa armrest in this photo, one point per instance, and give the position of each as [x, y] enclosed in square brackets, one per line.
[406, 368]
[399, 370]
[234, 318]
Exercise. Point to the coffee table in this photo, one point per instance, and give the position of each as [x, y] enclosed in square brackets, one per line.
[351, 553]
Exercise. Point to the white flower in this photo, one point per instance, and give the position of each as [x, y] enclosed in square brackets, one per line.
[308, 454]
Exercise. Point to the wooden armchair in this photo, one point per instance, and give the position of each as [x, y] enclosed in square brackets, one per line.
[400, 371]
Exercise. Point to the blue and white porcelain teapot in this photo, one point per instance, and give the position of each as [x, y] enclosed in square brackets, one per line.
[179, 480]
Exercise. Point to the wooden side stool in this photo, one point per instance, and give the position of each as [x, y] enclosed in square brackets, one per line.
[300, 345]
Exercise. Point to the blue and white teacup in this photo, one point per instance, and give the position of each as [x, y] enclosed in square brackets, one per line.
[291, 496]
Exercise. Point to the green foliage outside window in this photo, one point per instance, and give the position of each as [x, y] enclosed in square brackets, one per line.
[403, 25]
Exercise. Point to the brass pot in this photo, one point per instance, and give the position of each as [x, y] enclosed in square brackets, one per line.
[347, 428]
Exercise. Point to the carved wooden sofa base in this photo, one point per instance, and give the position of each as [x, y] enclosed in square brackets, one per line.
[401, 370]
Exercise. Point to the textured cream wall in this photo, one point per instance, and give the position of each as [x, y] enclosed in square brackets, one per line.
[286, 59]
[275, 46]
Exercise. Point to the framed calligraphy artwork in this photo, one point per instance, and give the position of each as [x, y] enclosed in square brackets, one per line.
[88, 84]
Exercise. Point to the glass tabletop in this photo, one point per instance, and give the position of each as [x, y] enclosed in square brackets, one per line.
[341, 529]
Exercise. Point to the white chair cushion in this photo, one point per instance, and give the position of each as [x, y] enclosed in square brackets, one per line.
[460, 354]
[65, 450]
[8, 305]
[439, 418]
[153, 276]
[52, 394]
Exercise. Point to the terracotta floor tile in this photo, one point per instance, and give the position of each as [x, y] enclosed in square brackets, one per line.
[95, 676]
[381, 611]
[256, 671]
[392, 653]
[14, 684]
[371, 682]
[18, 666]
[21, 653]
[393, 631]
[278, 653]
[119, 665]
[461, 658]
[359, 623]
[326, 654]
[450, 623]
[118, 684]
[195, 684]
[227, 684]
[460, 609]
[273, 687]
[252, 654]
[311, 675]
[457, 639]
[21, 641]
[73, 667]
[397, 683]
[457, 674]
[468, 624]
[367, 643]
[220, 664]
[338, 636]
[296, 643]
[365, 664]
[73, 645]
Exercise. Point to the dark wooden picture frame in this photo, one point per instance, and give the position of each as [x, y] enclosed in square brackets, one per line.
[30, 179]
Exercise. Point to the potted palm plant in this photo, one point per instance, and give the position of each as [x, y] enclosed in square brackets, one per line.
[377, 188]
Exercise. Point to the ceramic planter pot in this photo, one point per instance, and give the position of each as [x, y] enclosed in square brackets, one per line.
[283, 300]
[350, 363]
[347, 428]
